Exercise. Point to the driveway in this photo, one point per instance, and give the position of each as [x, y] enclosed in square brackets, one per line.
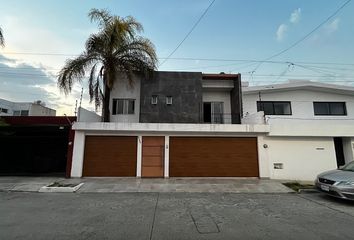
[26, 215]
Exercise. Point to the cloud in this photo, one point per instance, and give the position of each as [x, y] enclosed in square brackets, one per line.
[295, 16]
[282, 29]
[21, 82]
[332, 26]
[27, 77]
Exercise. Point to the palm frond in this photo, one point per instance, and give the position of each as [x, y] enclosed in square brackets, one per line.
[101, 16]
[91, 81]
[2, 40]
[74, 70]
[117, 49]
[139, 52]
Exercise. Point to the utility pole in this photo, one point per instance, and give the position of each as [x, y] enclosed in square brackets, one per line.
[82, 91]
[75, 111]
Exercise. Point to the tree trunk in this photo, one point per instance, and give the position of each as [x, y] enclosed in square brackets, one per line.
[106, 100]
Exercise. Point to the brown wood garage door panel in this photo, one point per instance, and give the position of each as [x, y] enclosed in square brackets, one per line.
[213, 157]
[110, 156]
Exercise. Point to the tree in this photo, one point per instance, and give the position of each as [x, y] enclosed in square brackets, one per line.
[2, 40]
[116, 49]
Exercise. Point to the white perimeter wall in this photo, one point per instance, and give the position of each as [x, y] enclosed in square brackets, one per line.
[303, 158]
[122, 89]
[85, 115]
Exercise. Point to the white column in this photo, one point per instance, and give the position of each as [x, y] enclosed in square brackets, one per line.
[263, 159]
[139, 156]
[167, 156]
[78, 154]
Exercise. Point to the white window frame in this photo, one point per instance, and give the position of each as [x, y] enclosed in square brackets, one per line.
[126, 102]
[169, 100]
[154, 99]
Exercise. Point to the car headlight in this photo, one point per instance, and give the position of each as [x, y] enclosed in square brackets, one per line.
[345, 183]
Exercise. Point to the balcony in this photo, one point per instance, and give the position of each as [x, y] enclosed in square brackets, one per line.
[218, 118]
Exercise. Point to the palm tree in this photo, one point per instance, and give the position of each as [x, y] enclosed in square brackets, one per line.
[2, 40]
[116, 49]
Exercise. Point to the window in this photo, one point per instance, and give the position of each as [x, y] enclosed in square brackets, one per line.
[123, 106]
[274, 107]
[24, 112]
[154, 99]
[3, 110]
[169, 100]
[17, 113]
[329, 108]
[213, 112]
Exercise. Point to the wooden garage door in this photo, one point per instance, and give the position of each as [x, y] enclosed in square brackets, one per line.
[110, 156]
[213, 157]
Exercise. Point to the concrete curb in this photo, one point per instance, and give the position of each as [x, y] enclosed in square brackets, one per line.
[47, 189]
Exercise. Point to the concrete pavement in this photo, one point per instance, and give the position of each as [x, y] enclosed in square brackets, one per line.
[26, 215]
[106, 185]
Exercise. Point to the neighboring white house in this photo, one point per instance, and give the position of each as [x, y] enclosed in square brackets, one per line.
[311, 126]
[37, 108]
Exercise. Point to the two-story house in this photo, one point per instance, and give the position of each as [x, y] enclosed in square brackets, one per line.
[171, 124]
[311, 126]
[190, 124]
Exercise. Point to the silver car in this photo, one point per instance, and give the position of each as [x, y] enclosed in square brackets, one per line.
[338, 183]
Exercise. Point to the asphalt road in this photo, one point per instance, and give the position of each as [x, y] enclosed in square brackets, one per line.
[173, 216]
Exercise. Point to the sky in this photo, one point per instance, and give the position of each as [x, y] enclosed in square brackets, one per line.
[231, 37]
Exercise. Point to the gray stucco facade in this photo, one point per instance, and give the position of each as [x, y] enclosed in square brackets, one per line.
[185, 88]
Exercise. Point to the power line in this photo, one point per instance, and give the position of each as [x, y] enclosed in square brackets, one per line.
[193, 59]
[307, 35]
[189, 33]
[41, 54]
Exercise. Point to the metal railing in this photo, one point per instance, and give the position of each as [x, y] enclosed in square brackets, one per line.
[219, 118]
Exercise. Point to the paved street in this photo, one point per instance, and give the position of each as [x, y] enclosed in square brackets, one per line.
[27, 215]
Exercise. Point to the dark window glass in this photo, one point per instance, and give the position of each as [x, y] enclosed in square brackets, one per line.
[268, 108]
[337, 108]
[120, 106]
[321, 108]
[130, 106]
[274, 108]
[329, 108]
[281, 108]
[114, 107]
[24, 112]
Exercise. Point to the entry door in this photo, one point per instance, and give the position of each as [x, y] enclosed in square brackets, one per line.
[213, 112]
[338, 146]
[153, 157]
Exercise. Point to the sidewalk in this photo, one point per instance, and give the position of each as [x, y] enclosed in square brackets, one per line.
[107, 185]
